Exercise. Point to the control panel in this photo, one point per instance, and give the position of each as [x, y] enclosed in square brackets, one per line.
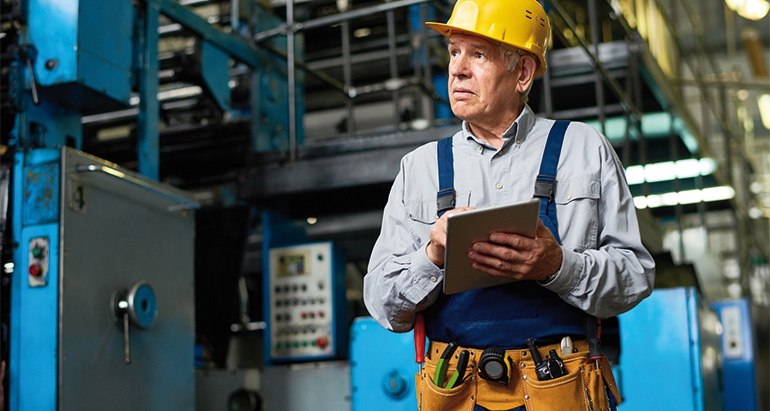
[38, 261]
[732, 335]
[306, 312]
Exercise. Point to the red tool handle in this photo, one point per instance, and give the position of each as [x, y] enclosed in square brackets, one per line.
[419, 338]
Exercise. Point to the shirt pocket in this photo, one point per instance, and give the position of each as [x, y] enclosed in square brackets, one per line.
[577, 211]
[424, 210]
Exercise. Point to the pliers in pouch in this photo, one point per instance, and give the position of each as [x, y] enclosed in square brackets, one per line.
[443, 364]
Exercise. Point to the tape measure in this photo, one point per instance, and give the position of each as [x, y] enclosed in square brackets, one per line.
[494, 365]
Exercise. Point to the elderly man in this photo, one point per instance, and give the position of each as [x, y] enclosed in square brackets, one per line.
[585, 262]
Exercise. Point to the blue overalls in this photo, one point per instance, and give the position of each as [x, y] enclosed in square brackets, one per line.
[505, 315]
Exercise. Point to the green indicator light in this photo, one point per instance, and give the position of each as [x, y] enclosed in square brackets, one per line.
[36, 252]
[304, 343]
[312, 343]
[296, 344]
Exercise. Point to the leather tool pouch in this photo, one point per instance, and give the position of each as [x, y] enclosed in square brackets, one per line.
[583, 388]
[432, 398]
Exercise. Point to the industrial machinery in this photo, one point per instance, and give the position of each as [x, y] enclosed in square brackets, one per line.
[739, 354]
[102, 310]
[670, 341]
[382, 367]
[306, 304]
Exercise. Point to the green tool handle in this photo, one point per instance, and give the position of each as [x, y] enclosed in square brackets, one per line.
[459, 373]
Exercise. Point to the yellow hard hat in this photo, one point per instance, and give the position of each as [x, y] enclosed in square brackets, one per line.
[522, 24]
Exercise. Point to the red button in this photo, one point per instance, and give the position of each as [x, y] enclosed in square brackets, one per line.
[321, 342]
[34, 270]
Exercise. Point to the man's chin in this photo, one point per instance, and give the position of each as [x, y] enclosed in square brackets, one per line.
[461, 111]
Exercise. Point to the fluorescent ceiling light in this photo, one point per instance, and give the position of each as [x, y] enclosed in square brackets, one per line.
[755, 9]
[710, 194]
[718, 193]
[668, 170]
[764, 109]
[749, 9]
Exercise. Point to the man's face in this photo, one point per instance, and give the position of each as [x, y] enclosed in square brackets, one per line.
[481, 90]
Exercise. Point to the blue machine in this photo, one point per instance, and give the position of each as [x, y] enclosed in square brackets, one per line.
[102, 292]
[670, 354]
[78, 62]
[739, 348]
[382, 367]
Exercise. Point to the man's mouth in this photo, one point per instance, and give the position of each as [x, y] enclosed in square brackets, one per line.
[462, 91]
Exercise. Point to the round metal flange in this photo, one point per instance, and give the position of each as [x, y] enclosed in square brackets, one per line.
[142, 305]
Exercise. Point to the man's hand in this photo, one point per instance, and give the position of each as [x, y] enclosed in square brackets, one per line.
[515, 256]
[437, 243]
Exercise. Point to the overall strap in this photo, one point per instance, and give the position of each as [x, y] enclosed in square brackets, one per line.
[445, 198]
[544, 189]
[546, 178]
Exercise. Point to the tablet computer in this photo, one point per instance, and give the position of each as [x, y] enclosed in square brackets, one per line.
[466, 228]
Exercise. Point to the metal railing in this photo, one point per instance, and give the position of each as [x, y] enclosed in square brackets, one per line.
[346, 87]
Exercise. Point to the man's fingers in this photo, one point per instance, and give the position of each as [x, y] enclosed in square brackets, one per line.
[456, 210]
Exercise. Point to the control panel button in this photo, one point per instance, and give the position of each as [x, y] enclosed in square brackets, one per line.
[322, 342]
[37, 266]
[35, 271]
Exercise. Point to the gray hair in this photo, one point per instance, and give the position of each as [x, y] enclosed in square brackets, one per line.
[512, 60]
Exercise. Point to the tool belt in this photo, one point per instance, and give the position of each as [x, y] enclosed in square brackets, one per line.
[582, 388]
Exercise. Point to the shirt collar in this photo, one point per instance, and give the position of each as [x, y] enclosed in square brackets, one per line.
[518, 131]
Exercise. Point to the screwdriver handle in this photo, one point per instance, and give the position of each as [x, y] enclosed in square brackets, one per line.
[419, 338]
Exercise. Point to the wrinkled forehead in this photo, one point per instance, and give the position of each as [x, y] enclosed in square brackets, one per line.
[472, 40]
[478, 42]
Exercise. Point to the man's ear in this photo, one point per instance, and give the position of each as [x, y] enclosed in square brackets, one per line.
[527, 74]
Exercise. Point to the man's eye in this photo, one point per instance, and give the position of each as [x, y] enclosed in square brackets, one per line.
[480, 56]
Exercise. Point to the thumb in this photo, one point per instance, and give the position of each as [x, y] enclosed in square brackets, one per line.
[543, 231]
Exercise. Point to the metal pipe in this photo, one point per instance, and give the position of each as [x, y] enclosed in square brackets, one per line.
[148, 145]
[548, 92]
[426, 65]
[347, 75]
[391, 19]
[636, 92]
[235, 18]
[598, 85]
[673, 148]
[627, 135]
[292, 83]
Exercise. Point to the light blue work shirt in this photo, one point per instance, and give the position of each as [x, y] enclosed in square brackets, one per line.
[605, 269]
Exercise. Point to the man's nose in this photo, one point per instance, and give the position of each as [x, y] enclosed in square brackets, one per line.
[458, 66]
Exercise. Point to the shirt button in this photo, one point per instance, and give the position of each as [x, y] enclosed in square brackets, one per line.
[518, 141]
[481, 148]
[569, 197]
[433, 278]
[499, 186]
